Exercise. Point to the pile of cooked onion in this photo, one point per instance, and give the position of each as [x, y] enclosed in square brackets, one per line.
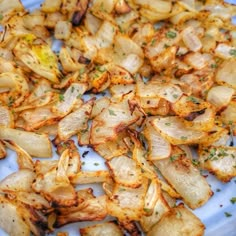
[142, 83]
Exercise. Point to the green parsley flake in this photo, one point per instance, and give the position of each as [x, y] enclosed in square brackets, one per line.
[202, 79]
[81, 71]
[195, 162]
[193, 99]
[11, 100]
[111, 112]
[212, 153]
[174, 157]
[61, 97]
[147, 210]
[178, 214]
[166, 45]
[222, 153]
[121, 30]
[153, 42]
[102, 7]
[96, 75]
[122, 189]
[171, 35]
[232, 52]
[100, 69]
[233, 200]
[183, 138]
[227, 214]
[79, 95]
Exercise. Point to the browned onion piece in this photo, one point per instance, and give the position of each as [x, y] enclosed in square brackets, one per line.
[79, 14]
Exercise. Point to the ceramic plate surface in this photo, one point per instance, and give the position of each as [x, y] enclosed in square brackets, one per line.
[213, 214]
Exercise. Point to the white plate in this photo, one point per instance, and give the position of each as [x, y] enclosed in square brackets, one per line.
[212, 214]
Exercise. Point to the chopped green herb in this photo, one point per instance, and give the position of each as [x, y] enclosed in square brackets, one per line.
[174, 157]
[171, 35]
[72, 89]
[96, 164]
[96, 75]
[193, 99]
[11, 100]
[102, 6]
[129, 153]
[122, 189]
[232, 52]
[100, 69]
[202, 79]
[227, 214]
[178, 214]
[147, 210]
[166, 45]
[213, 151]
[218, 190]
[213, 65]
[81, 71]
[111, 112]
[61, 97]
[64, 145]
[153, 42]
[175, 96]
[1, 17]
[218, 60]
[233, 200]
[168, 124]
[212, 154]
[195, 162]
[84, 131]
[121, 30]
[183, 138]
[79, 95]
[135, 77]
[222, 153]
